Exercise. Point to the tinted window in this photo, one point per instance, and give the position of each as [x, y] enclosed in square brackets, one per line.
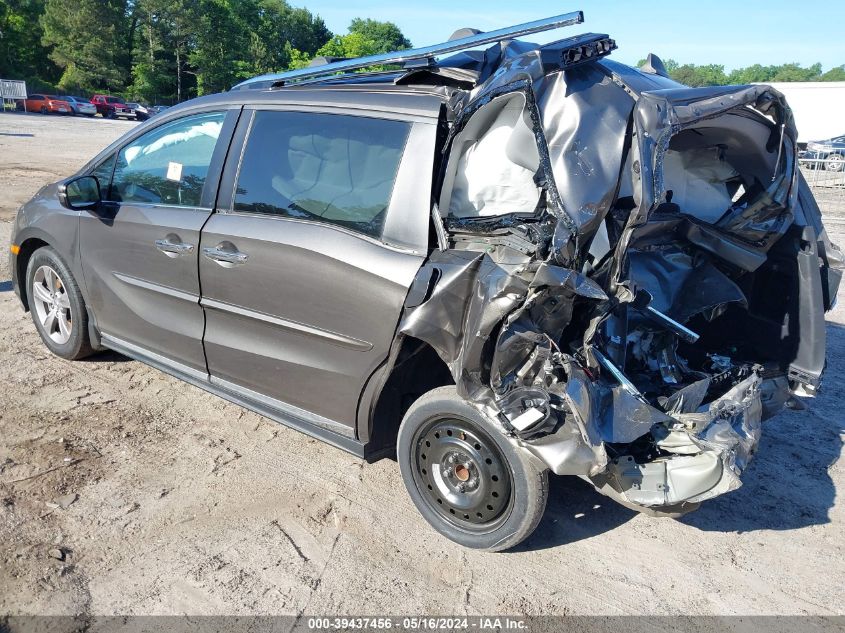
[103, 173]
[326, 167]
[169, 164]
[113, 100]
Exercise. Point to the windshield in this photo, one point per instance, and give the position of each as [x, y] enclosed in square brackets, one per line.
[114, 100]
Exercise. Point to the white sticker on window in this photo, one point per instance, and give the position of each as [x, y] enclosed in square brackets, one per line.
[174, 171]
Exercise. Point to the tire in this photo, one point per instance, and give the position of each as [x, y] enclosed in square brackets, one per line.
[44, 110]
[66, 332]
[465, 477]
[835, 162]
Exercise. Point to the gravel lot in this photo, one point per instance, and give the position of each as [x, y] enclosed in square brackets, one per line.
[162, 499]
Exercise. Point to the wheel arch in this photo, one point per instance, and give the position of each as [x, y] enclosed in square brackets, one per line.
[27, 248]
[412, 370]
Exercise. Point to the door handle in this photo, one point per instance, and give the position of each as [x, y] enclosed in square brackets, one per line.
[174, 248]
[222, 257]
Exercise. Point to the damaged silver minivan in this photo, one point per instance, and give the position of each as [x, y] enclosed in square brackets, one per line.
[492, 265]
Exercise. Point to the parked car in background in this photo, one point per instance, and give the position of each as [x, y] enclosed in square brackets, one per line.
[79, 105]
[142, 112]
[112, 107]
[46, 104]
[157, 109]
[828, 154]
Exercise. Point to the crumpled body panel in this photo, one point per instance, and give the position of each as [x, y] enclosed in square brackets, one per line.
[614, 330]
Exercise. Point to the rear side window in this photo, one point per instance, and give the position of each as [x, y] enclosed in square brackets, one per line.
[330, 168]
[169, 164]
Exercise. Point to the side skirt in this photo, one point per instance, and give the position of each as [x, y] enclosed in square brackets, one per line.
[277, 411]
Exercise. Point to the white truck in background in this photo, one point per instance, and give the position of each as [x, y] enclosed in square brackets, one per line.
[818, 106]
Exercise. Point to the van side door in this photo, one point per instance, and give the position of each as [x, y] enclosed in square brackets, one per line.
[139, 251]
[320, 229]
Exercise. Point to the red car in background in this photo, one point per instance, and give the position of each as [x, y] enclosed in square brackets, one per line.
[112, 107]
[46, 104]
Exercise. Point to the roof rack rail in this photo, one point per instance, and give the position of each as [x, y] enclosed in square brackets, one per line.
[417, 55]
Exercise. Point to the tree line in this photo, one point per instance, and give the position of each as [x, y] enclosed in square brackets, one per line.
[166, 51]
[714, 74]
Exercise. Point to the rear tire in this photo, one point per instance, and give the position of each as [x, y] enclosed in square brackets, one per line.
[56, 304]
[467, 480]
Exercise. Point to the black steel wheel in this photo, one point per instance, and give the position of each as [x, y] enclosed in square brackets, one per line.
[466, 478]
[462, 473]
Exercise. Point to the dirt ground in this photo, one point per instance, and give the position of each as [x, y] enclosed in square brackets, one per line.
[125, 491]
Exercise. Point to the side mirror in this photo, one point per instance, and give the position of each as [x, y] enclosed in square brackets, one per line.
[81, 194]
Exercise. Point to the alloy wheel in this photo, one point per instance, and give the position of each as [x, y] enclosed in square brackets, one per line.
[835, 162]
[52, 304]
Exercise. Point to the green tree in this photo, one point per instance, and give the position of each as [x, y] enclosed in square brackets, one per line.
[349, 45]
[752, 74]
[165, 31]
[714, 75]
[21, 54]
[385, 36]
[834, 74]
[297, 58]
[219, 36]
[275, 30]
[84, 36]
[706, 75]
[366, 37]
[794, 72]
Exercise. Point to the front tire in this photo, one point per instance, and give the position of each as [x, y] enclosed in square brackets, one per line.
[467, 480]
[57, 306]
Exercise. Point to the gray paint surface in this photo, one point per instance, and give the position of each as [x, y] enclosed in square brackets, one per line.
[314, 305]
[138, 293]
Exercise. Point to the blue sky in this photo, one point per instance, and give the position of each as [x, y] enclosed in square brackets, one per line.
[737, 33]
